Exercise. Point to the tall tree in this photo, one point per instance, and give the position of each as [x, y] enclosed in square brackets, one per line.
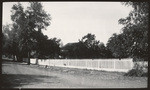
[28, 21]
[133, 41]
[136, 28]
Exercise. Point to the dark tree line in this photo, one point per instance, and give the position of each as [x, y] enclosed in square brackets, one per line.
[24, 38]
[25, 35]
[87, 47]
[133, 41]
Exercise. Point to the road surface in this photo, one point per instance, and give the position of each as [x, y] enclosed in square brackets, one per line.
[20, 75]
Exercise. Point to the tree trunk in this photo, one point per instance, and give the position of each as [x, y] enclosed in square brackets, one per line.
[36, 61]
[13, 58]
[119, 58]
[21, 59]
[28, 58]
[17, 58]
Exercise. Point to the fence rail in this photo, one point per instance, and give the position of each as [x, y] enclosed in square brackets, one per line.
[122, 65]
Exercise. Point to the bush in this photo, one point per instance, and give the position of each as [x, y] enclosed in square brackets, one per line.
[138, 71]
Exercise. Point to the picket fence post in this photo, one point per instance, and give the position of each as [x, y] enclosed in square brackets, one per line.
[86, 64]
[49, 62]
[114, 64]
[98, 65]
[68, 63]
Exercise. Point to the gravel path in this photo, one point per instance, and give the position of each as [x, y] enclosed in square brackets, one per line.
[20, 75]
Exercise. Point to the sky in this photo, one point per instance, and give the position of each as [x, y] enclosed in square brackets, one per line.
[73, 20]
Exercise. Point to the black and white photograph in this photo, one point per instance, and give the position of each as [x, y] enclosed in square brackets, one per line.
[79, 44]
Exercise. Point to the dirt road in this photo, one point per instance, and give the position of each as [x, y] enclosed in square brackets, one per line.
[20, 75]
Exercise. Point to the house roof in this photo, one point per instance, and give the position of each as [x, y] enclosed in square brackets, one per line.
[69, 45]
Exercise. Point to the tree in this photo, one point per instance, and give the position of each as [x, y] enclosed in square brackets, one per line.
[133, 41]
[136, 29]
[87, 47]
[28, 22]
[117, 45]
[74, 50]
[6, 45]
[95, 48]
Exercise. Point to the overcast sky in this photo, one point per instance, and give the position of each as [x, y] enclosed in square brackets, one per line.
[72, 20]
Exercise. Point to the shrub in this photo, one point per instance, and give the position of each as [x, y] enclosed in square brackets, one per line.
[138, 71]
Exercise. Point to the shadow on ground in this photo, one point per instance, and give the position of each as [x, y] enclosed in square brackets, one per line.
[13, 80]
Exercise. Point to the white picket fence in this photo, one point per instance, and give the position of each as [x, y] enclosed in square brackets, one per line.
[122, 65]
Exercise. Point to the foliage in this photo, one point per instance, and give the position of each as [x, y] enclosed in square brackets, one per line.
[116, 44]
[87, 47]
[136, 28]
[49, 48]
[26, 24]
[6, 47]
[133, 41]
[137, 71]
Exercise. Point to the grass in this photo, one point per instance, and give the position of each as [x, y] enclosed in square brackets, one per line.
[19, 80]
[83, 76]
